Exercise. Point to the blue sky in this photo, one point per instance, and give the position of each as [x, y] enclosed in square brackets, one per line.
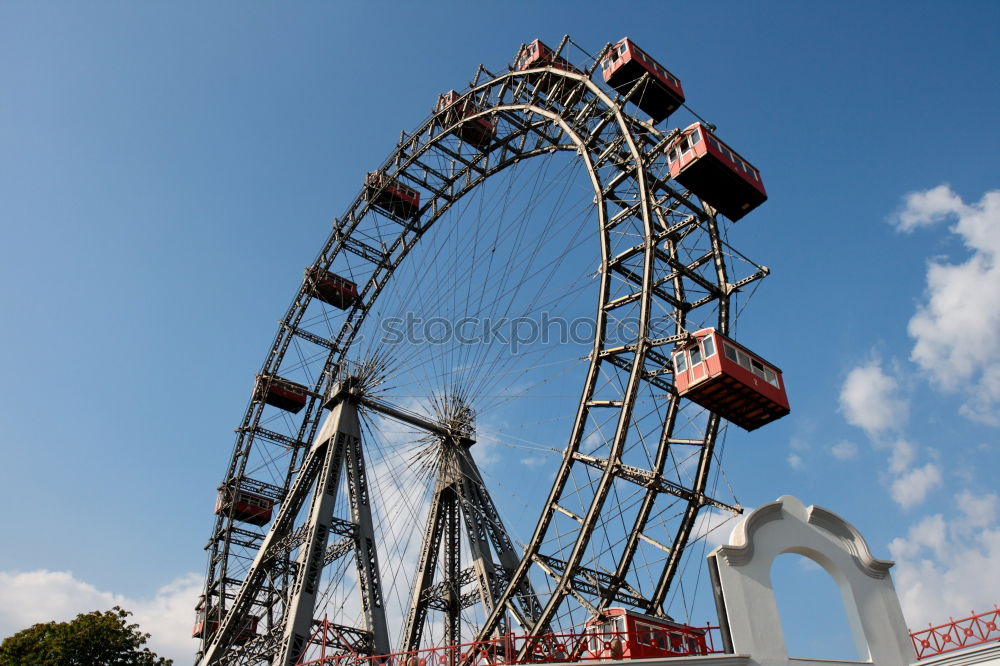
[166, 169]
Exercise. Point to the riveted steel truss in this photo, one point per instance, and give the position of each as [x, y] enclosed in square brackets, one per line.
[665, 267]
[460, 497]
[336, 450]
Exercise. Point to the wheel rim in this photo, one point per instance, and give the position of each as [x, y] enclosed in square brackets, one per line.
[664, 269]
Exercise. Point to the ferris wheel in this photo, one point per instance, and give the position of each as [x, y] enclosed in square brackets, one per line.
[472, 419]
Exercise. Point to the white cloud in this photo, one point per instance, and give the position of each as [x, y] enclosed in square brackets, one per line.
[799, 450]
[401, 499]
[533, 461]
[956, 331]
[844, 450]
[710, 525]
[977, 511]
[948, 567]
[946, 563]
[931, 533]
[922, 208]
[871, 400]
[27, 598]
[903, 455]
[912, 487]
[40, 596]
[169, 617]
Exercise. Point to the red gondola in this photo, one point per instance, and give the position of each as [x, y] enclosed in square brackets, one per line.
[625, 634]
[280, 393]
[452, 109]
[207, 622]
[713, 171]
[247, 507]
[625, 63]
[391, 196]
[537, 54]
[730, 380]
[333, 289]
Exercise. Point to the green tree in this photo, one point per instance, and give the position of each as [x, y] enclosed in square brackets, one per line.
[92, 639]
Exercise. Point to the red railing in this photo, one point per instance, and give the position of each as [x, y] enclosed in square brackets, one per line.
[957, 634]
[512, 650]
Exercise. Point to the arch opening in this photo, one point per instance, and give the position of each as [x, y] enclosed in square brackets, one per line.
[813, 610]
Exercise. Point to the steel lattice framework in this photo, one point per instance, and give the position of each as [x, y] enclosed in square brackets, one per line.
[665, 267]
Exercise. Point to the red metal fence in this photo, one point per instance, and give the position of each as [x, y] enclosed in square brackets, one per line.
[513, 650]
[957, 634]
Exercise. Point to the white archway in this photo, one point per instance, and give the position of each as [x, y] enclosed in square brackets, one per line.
[747, 608]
